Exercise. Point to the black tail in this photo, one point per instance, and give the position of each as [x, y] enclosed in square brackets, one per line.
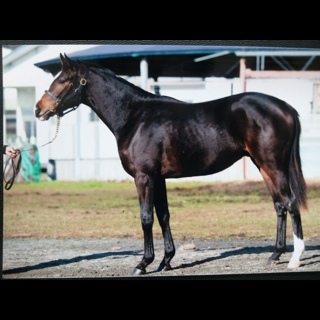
[296, 179]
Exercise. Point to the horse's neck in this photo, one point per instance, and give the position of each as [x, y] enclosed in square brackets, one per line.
[111, 99]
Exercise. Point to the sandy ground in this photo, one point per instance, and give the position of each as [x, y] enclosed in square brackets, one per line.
[116, 259]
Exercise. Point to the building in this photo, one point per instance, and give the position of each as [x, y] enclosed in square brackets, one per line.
[84, 149]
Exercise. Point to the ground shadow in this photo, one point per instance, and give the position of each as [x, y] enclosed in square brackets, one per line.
[242, 251]
[123, 254]
[60, 262]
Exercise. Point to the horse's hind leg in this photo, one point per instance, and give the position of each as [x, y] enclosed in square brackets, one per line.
[162, 211]
[284, 202]
[280, 245]
[298, 242]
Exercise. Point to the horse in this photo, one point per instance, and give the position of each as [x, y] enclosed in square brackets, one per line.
[160, 137]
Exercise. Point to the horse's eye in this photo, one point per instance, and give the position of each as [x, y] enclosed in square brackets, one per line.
[64, 80]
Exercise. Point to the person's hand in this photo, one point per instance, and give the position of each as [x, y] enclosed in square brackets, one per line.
[12, 153]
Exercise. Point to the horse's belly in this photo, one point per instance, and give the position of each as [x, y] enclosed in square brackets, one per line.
[198, 164]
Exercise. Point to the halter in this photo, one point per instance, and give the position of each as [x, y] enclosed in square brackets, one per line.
[75, 94]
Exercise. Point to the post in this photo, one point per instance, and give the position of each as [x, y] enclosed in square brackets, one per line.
[77, 143]
[243, 73]
[144, 73]
[243, 82]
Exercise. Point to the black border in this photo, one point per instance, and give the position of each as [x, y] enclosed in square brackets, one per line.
[194, 280]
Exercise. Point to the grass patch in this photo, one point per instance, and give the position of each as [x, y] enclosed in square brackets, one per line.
[98, 209]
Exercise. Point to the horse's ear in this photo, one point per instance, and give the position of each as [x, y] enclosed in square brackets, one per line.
[63, 61]
[66, 62]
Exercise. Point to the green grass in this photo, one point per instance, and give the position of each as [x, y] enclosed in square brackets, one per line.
[106, 209]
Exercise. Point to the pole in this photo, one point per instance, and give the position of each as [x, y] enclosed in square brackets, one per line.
[144, 73]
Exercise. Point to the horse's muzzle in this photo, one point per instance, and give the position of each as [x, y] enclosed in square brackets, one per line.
[44, 116]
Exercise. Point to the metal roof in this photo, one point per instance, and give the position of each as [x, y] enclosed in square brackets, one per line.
[191, 61]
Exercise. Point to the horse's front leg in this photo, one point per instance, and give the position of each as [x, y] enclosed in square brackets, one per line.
[145, 189]
[280, 246]
[161, 206]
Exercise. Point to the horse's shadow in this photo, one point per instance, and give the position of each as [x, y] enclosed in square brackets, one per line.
[60, 262]
[119, 254]
[246, 250]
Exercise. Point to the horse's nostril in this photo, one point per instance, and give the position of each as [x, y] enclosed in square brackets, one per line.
[37, 109]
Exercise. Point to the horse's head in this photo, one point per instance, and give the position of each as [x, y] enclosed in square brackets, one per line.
[64, 92]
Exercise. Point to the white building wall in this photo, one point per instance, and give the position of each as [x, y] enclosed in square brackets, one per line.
[100, 143]
[85, 150]
[298, 93]
[26, 74]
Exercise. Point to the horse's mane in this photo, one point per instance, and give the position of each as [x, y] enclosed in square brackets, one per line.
[98, 69]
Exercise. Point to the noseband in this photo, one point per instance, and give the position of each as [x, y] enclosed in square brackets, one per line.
[67, 97]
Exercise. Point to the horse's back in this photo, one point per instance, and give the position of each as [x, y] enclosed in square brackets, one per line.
[247, 104]
[261, 102]
[252, 113]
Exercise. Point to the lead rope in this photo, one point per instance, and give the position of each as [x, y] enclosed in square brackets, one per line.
[16, 162]
[57, 130]
[15, 165]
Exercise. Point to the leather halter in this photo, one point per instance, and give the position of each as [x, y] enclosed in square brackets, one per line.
[67, 97]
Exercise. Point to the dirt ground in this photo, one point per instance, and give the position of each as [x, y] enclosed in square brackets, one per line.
[116, 259]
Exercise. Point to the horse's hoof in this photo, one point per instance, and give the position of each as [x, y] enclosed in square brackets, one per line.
[164, 268]
[272, 262]
[294, 264]
[138, 272]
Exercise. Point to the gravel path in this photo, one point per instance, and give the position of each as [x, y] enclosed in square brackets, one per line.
[116, 259]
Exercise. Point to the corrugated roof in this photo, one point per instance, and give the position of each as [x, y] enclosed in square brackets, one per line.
[178, 60]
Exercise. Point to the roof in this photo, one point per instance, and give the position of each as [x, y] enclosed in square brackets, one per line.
[191, 61]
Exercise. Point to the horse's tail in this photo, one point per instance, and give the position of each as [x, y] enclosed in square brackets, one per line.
[296, 179]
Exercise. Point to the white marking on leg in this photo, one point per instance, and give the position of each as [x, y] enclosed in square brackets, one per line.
[298, 245]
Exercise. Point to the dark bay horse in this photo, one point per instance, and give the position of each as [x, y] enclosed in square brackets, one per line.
[159, 137]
